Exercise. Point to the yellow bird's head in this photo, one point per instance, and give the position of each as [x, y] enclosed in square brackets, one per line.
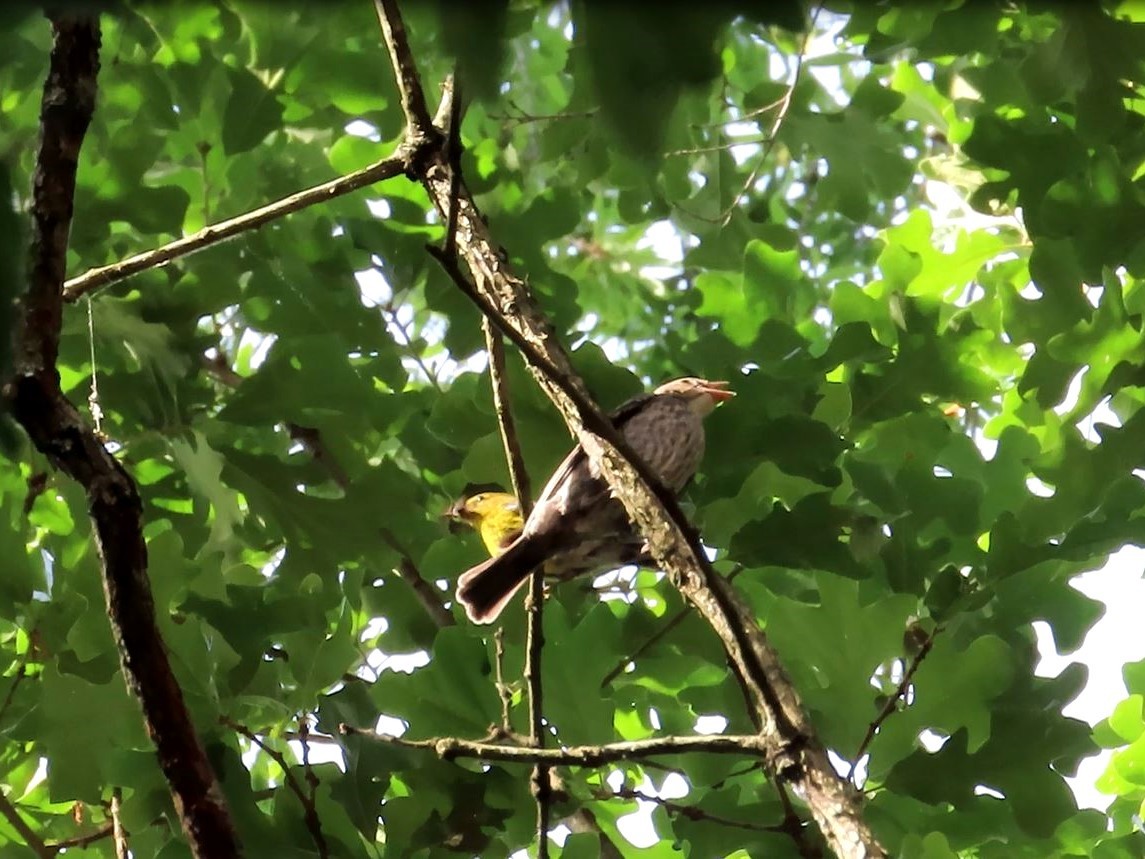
[496, 516]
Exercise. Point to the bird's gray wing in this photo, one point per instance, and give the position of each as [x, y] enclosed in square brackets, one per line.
[574, 467]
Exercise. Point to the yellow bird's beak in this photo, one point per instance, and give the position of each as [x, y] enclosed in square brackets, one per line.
[456, 511]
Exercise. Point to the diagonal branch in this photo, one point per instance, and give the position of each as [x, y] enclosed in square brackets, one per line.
[892, 702]
[58, 431]
[692, 812]
[96, 278]
[105, 831]
[792, 751]
[310, 812]
[31, 839]
[426, 594]
[656, 637]
[311, 438]
[768, 143]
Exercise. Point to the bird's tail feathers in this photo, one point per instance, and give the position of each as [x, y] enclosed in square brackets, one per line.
[485, 590]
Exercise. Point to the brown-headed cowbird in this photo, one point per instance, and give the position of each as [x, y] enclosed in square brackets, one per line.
[577, 527]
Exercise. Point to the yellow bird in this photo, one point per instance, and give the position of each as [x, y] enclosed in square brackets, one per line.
[496, 516]
[577, 526]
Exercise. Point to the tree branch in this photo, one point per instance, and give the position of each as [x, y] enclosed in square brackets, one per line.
[426, 594]
[31, 839]
[892, 702]
[122, 851]
[451, 748]
[310, 813]
[504, 693]
[58, 431]
[505, 423]
[583, 820]
[792, 751]
[653, 639]
[311, 439]
[534, 647]
[105, 831]
[535, 635]
[768, 143]
[535, 604]
[96, 278]
[418, 121]
[692, 812]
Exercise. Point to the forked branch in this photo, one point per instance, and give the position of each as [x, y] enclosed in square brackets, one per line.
[791, 749]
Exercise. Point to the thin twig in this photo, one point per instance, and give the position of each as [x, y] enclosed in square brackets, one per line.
[315, 738]
[37, 484]
[661, 633]
[391, 316]
[503, 691]
[210, 235]
[21, 673]
[95, 835]
[119, 834]
[505, 423]
[31, 839]
[742, 771]
[583, 820]
[534, 646]
[768, 144]
[620, 666]
[453, 149]
[312, 779]
[522, 117]
[311, 438]
[719, 147]
[451, 748]
[794, 826]
[427, 594]
[692, 812]
[310, 812]
[535, 636]
[891, 703]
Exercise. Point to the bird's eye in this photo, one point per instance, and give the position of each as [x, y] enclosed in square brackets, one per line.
[477, 499]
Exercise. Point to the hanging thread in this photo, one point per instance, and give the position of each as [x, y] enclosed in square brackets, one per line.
[93, 397]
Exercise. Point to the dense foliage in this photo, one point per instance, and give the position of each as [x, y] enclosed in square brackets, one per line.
[913, 243]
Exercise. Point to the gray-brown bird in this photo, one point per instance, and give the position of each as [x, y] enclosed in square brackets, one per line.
[577, 527]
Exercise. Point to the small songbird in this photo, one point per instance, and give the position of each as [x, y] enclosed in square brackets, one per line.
[496, 516]
[576, 525]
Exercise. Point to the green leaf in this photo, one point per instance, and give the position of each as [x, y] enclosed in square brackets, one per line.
[252, 112]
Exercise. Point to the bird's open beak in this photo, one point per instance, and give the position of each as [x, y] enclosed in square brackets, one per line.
[718, 391]
[455, 511]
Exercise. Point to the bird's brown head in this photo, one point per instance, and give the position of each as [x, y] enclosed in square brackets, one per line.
[702, 395]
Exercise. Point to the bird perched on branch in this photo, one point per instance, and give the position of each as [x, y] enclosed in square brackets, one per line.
[576, 525]
[496, 516]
